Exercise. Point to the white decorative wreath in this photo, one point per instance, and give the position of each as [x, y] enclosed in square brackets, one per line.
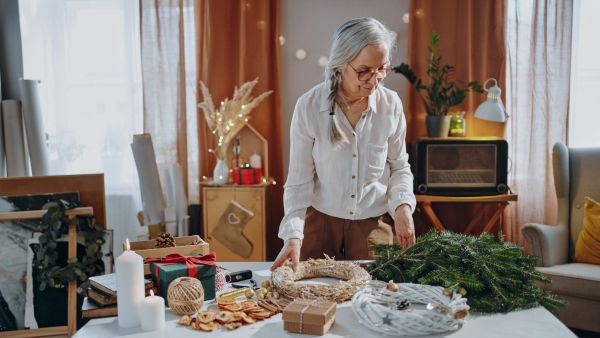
[284, 280]
[376, 307]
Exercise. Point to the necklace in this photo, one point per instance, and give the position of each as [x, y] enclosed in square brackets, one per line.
[350, 110]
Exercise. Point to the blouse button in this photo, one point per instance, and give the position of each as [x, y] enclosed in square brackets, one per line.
[353, 176]
[352, 196]
[351, 213]
[364, 116]
[354, 155]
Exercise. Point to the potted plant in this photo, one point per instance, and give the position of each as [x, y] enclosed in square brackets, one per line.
[441, 91]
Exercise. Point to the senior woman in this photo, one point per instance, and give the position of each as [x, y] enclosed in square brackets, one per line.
[348, 161]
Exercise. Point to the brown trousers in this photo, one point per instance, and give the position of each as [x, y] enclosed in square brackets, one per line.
[344, 238]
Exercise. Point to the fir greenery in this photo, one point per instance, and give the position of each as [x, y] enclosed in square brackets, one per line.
[498, 277]
[55, 224]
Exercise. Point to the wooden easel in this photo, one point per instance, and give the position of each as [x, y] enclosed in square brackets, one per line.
[91, 193]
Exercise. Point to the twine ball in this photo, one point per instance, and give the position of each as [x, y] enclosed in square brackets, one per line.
[185, 295]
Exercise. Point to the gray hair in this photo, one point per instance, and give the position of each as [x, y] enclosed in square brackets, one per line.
[349, 39]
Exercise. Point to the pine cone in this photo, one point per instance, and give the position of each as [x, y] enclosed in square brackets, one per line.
[196, 242]
[165, 241]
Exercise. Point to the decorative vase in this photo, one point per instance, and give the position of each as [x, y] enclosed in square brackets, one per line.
[221, 172]
[458, 125]
[437, 126]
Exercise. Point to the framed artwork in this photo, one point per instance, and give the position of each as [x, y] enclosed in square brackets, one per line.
[90, 190]
[14, 263]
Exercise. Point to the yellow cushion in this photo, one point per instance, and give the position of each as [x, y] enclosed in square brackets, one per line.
[587, 249]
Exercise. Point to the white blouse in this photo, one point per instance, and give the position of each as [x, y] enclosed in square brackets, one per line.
[361, 179]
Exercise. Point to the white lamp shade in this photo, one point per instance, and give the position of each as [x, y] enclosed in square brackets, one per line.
[492, 109]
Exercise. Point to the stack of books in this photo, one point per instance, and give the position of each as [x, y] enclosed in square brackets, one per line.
[102, 296]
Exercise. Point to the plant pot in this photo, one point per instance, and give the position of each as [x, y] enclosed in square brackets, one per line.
[437, 126]
[221, 172]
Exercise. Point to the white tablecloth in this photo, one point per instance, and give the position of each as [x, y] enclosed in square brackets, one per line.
[536, 322]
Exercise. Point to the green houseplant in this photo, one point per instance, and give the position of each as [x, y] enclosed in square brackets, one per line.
[441, 92]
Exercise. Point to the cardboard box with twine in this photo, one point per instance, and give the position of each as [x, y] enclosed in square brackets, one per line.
[309, 316]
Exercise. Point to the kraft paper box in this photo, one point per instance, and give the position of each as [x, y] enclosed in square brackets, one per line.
[168, 273]
[317, 318]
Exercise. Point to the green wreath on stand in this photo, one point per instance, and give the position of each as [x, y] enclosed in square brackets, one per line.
[55, 224]
[494, 276]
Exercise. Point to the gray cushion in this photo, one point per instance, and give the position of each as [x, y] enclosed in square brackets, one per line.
[575, 279]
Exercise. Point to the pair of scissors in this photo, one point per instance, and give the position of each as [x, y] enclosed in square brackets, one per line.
[253, 284]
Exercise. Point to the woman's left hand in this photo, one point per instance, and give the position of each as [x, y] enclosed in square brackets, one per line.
[405, 228]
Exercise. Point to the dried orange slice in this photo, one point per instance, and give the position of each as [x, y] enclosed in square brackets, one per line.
[260, 315]
[224, 316]
[233, 326]
[206, 317]
[247, 304]
[233, 307]
[248, 320]
[225, 301]
[254, 309]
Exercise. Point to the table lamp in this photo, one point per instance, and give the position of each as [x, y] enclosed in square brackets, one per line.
[492, 109]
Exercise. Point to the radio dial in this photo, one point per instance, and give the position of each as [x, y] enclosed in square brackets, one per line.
[422, 188]
[501, 188]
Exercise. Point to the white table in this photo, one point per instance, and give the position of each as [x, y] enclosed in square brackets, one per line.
[537, 322]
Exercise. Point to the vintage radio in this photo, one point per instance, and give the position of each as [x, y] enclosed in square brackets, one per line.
[460, 166]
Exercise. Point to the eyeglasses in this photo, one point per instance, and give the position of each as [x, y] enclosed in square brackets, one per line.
[366, 75]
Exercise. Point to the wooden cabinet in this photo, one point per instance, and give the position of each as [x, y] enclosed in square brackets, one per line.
[215, 200]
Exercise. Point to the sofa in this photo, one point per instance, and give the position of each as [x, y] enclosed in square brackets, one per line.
[576, 175]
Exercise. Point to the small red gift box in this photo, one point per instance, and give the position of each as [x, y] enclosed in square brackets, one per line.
[247, 175]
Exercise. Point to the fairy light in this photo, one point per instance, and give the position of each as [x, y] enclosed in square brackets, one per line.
[243, 107]
[240, 115]
[214, 131]
[274, 182]
[203, 177]
[219, 119]
[227, 127]
[220, 177]
[246, 120]
[264, 180]
[218, 114]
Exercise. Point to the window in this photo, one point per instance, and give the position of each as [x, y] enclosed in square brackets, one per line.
[584, 115]
[87, 55]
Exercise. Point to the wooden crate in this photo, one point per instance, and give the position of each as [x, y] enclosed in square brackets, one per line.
[147, 249]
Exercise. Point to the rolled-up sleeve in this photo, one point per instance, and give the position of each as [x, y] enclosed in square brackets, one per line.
[400, 186]
[299, 188]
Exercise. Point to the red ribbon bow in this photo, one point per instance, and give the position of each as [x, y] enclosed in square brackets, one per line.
[189, 261]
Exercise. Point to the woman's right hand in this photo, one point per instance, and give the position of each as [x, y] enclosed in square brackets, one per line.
[291, 249]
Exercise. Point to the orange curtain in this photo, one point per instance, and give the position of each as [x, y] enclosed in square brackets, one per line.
[236, 42]
[472, 39]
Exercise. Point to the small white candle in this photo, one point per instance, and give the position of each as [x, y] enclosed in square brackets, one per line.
[130, 287]
[255, 161]
[153, 313]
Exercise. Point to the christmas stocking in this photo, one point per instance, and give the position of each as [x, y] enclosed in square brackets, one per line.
[229, 229]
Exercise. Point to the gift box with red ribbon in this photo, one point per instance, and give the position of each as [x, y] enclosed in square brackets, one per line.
[247, 175]
[167, 269]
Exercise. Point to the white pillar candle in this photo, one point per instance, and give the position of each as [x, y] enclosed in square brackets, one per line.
[130, 287]
[255, 161]
[153, 313]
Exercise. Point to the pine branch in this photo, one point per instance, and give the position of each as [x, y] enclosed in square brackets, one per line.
[498, 277]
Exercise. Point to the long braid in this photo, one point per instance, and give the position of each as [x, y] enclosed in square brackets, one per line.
[336, 136]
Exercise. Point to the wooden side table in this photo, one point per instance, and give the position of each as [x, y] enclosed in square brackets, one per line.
[501, 201]
[255, 198]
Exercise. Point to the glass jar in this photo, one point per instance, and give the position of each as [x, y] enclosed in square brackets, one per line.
[458, 126]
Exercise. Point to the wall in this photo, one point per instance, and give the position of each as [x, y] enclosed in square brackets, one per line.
[309, 25]
[11, 55]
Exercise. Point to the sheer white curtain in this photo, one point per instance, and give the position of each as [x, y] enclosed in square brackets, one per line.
[87, 55]
[538, 69]
[585, 75]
